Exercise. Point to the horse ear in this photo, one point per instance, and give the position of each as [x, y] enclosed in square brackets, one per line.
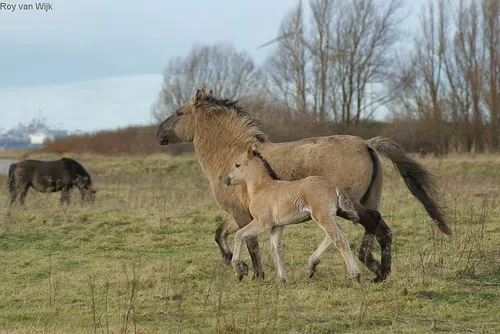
[200, 94]
[211, 93]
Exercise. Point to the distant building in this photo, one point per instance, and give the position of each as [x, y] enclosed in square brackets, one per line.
[29, 135]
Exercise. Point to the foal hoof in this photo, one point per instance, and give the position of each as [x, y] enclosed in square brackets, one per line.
[356, 278]
[280, 280]
[241, 270]
[312, 268]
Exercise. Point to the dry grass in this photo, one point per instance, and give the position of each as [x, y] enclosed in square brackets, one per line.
[142, 259]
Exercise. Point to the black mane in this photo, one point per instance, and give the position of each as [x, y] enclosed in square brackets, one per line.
[269, 169]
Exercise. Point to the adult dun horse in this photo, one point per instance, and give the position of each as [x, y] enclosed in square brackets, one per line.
[275, 203]
[221, 129]
[49, 176]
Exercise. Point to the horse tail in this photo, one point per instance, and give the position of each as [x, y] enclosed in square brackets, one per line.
[11, 181]
[419, 181]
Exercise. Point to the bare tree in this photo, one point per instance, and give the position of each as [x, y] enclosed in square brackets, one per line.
[287, 65]
[465, 72]
[221, 67]
[325, 68]
[423, 92]
[320, 48]
[491, 31]
[366, 31]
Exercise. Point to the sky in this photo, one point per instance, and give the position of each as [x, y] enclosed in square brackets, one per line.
[94, 64]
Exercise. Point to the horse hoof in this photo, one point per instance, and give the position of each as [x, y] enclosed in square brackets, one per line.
[244, 268]
[379, 279]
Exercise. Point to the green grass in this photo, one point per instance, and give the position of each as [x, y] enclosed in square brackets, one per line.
[143, 259]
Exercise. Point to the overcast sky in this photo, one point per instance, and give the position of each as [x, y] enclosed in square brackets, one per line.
[97, 64]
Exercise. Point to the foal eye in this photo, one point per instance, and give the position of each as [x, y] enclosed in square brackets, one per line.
[178, 113]
[237, 165]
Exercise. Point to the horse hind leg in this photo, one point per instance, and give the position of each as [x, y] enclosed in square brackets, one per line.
[14, 193]
[376, 228]
[22, 193]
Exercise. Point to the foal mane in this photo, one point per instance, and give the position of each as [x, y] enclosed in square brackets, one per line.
[269, 169]
[233, 108]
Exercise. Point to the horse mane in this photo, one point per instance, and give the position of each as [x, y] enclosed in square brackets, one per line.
[233, 107]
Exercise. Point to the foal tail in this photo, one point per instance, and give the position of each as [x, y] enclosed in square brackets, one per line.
[419, 181]
[11, 181]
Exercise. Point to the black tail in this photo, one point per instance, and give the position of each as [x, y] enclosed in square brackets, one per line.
[11, 182]
[419, 181]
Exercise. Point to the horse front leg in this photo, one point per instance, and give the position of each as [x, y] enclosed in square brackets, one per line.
[65, 198]
[238, 222]
[227, 227]
[248, 234]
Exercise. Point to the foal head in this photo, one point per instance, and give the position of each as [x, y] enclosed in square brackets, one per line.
[249, 164]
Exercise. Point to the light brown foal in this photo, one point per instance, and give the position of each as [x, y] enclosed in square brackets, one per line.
[275, 203]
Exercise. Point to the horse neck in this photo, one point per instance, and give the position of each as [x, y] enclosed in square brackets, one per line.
[215, 143]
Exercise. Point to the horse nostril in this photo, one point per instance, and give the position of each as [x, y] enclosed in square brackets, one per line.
[226, 180]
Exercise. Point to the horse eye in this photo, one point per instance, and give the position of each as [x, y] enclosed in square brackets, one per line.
[178, 113]
[237, 165]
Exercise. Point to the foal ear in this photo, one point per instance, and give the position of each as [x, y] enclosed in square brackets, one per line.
[211, 93]
[254, 150]
[249, 151]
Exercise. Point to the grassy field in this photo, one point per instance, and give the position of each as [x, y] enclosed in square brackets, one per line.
[143, 259]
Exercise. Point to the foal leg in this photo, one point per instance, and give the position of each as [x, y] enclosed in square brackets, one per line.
[277, 252]
[250, 231]
[332, 230]
[316, 256]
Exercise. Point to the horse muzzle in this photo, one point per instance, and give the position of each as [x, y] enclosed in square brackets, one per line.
[161, 138]
[226, 180]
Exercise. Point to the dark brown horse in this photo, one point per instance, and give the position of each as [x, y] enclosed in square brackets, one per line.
[47, 177]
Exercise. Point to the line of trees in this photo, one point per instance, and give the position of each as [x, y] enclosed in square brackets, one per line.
[336, 63]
